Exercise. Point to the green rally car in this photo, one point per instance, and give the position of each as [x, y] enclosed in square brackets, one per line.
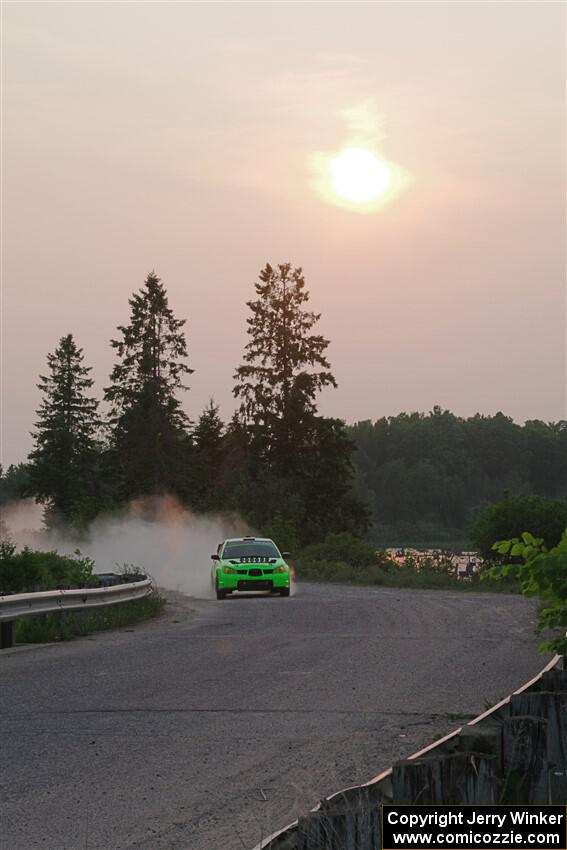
[250, 563]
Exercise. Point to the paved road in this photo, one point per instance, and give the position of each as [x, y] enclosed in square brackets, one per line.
[221, 721]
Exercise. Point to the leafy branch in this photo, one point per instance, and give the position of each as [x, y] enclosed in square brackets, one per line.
[541, 572]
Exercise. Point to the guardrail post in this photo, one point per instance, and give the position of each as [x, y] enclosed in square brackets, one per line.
[525, 757]
[551, 707]
[7, 634]
[470, 778]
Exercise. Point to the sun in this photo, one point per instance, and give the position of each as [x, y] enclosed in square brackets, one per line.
[358, 176]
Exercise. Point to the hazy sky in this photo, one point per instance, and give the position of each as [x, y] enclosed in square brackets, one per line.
[181, 137]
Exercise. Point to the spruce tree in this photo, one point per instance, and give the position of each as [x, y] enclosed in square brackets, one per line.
[302, 459]
[234, 479]
[63, 462]
[149, 440]
[285, 364]
[208, 455]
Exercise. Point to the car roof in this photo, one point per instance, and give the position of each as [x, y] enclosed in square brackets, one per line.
[248, 540]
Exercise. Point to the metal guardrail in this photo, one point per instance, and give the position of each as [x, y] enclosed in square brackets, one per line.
[383, 780]
[17, 605]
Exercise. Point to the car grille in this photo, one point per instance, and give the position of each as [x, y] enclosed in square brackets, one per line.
[254, 559]
[243, 584]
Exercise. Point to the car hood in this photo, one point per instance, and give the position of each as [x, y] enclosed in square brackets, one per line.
[253, 560]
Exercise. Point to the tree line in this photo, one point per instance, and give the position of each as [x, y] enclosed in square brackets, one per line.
[425, 477]
[277, 462]
[412, 479]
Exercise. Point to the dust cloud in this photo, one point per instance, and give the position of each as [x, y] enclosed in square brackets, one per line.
[158, 535]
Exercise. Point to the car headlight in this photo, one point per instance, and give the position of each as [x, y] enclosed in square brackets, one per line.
[229, 570]
[283, 568]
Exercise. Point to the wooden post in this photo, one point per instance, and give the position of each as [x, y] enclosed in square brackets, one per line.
[524, 751]
[554, 680]
[552, 707]
[557, 786]
[7, 634]
[485, 737]
[460, 778]
[309, 835]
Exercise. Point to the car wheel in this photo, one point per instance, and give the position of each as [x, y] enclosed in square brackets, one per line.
[284, 592]
[221, 594]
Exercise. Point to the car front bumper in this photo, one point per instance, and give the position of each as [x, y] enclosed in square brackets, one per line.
[244, 581]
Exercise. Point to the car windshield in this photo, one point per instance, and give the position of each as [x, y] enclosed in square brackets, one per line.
[264, 549]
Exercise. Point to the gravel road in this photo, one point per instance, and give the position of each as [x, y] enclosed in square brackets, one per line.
[221, 721]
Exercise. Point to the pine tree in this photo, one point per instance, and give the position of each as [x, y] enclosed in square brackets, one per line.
[149, 439]
[303, 460]
[15, 482]
[63, 462]
[233, 483]
[285, 365]
[208, 450]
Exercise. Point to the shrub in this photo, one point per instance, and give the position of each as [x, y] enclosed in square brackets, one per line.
[57, 627]
[29, 570]
[505, 520]
[541, 572]
[284, 533]
[341, 547]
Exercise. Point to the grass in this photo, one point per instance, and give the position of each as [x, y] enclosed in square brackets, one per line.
[46, 628]
[342, 573]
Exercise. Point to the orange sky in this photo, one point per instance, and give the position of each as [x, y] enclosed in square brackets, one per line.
[180, 137]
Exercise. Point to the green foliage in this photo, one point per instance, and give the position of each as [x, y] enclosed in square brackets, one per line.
[541, 572]
[284, 533]
[277, 383]
[296, 462]
[506, 519]
[30, 570]
[208, 456]
[418, 477]
[131, 572]
[150, 447]
[345, 559]
[343, 548]
[14, 483]
[337, 572]
[57, 627]
[424, 475]
[420, 535]
[63, 462]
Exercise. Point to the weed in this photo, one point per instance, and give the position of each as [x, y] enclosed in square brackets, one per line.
[68, 625]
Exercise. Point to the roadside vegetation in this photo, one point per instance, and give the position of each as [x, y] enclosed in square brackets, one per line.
[30, 570]
[344, 559]
[68, 625]
[425, 481]
[546, 518]
[276, 455]
[541, 571]
[425, 477]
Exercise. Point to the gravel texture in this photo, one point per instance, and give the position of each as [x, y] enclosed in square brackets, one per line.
[219, 722]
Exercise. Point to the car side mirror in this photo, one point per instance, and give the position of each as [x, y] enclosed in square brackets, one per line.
[286, 554]
[215, 557]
